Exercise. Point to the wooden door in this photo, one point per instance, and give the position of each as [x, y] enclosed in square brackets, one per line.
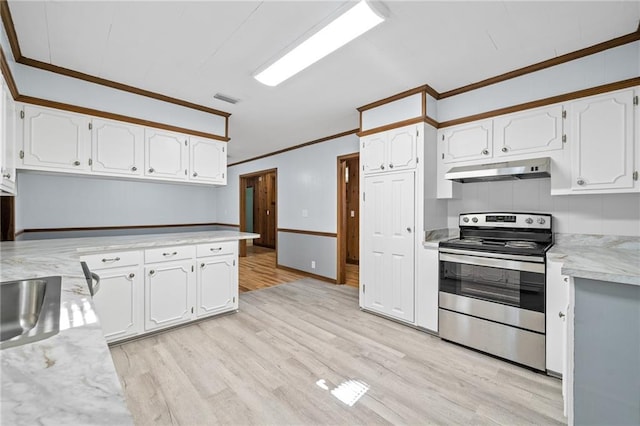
[264, 209]
[353, 210]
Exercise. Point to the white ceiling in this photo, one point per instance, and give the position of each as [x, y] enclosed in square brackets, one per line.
[191, 50]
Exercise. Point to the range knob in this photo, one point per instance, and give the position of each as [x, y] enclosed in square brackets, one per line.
[474, 219]
[529, 220]
[541, 220]
[465, 219]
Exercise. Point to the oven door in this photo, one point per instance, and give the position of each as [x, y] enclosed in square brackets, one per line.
[516, 283]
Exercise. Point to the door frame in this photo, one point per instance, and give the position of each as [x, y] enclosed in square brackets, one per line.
[243, 214]
[341, 238]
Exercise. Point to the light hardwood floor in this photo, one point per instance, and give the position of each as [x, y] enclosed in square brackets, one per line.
[258, 270]
[280, 359]
[352, 276]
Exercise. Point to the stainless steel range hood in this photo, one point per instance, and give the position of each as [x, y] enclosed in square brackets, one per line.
[508, 170]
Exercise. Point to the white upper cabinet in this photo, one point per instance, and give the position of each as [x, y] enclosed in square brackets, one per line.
[391, 150]
[55, 140]
[466, 142]
[117, 148]
[207, 161]
[8, 135]
[166, 154]
[535, 130]
[602, 143]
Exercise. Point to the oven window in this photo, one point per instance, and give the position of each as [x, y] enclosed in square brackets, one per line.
[521, 289]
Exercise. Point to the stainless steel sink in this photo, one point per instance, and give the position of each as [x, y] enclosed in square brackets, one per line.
[29, 310]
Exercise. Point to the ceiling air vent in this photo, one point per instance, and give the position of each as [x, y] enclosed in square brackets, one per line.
[225, 98]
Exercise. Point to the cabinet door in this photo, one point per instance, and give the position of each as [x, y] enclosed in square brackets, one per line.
[55, 140]
[557, 300]
[373, 152]
[119, 302]
[537, 130]
[117, 148]
[166, 155]
[388, 251]
[8, 154]
[427, 288]
[602, 152]
[402, 148]
[217, 285]
[471, 141]
[169, 290]
[207, 161]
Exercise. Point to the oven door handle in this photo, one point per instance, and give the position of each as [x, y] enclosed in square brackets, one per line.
[494, 263]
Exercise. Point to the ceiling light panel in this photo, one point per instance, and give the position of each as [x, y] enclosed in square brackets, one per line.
[348, 26]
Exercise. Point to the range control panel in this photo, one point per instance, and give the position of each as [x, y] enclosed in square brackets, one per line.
[506, 220]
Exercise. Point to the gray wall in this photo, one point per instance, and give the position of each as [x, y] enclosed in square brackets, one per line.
[60, 201]
[303, 249]
[606, 353]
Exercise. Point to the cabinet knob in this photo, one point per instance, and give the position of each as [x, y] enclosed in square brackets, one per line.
[561, 315]
[131, 275]
[151, 170]
[390, 166]
[566, 279]
[580, 182]
[134, 169]
[381, 166]
[505, 149]
[151, 272]
[485, 152]
[202, 265]
[408, 229]
[7, 176]
[76, 163]
[195, 174]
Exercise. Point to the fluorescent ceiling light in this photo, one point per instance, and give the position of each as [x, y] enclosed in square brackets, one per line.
[351, 24]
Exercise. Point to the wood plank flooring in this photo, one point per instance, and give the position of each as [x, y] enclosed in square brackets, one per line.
[352, 275]
[290, 352]
[258, 270]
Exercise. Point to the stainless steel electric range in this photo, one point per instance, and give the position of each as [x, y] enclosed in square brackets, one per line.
[493, 283]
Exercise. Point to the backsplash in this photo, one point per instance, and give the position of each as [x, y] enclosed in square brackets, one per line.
[616, 214]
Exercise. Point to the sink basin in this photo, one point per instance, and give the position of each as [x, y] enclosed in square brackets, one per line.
[29, 310]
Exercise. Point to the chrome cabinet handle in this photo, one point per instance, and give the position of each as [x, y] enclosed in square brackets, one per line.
[195, 174]
[76, 163]
[505, 149]
[485, 152]
[7, 176]
[215, 249]
[580, 182]
[113, 259]
[170, 254]
[561, 315]
[151, 170]
[131, 275]
[134, 169]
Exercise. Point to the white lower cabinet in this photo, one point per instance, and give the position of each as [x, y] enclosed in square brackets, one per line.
[556, 315]
[427, 288]
[217, 285]
[169, 294]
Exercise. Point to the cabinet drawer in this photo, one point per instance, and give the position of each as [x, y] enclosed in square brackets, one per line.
[99, 261]
[215, 249]
[165, 254]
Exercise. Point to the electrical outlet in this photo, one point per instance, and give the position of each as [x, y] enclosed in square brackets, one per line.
[305, 213]
[313, 264]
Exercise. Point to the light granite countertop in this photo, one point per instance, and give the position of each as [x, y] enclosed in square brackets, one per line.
[612, 258]
[433, 237]
[70, 378]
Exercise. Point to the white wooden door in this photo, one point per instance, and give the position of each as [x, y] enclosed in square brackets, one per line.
[169, 294]
[207, 161]
[217, 285]
[602, 151]
[166, 154]
[119, 302]
[557, 299]
[537, 130]
[8, 134]
[401, 148]
[55, 140]
[388, 252]
[373, 153]
[466, 142]
[117, 148]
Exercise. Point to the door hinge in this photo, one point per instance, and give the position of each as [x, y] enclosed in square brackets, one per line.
[21, 154]
[223, 149]
[442, 137]
[223, 176]
[185, 172]
[417, 133]
[443, 155]
[234, 262]
[234, 299]
[417, 160]
[22, 114]
[90, 162]
[192, 309]
[90, 126]
[363, 288]
[635, 100]
[635, 175]
[564, 138]
[363, 197]
[564, 113]
[192, 268]
[363, 144]
[185, 142]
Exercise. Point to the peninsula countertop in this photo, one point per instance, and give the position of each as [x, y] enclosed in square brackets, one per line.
[612, 258]
[70, 378]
